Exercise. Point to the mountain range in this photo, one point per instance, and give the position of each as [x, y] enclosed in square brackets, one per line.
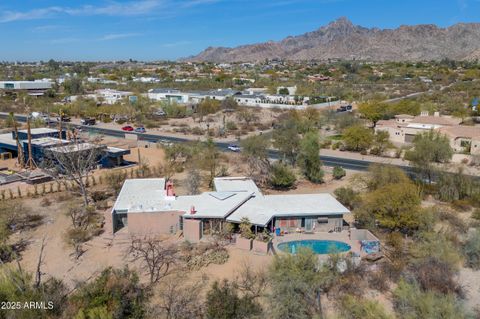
[341, 39]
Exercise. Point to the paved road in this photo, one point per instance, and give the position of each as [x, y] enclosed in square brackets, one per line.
[347, 163]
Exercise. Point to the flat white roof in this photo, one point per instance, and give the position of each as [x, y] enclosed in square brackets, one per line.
[260, 210]
[40, 130]
[235, 184]
[75, 147]
[149, 195]
[7, 139]
[141, 194]
[211, 204]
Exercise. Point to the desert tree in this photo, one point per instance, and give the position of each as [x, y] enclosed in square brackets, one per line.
[255, 152]
[429, 148]
[309, 158]
[179, 300]
[193, 181]
[156, 257]
[75, 163]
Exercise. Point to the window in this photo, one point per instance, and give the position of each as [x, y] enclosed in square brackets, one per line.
[322, 220]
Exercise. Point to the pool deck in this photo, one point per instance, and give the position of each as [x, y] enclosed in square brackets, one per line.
[342, 237]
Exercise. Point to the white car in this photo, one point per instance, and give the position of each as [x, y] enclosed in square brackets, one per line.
[234, 148]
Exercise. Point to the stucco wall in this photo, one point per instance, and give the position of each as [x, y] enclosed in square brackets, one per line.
[191, 230]
[149, 223]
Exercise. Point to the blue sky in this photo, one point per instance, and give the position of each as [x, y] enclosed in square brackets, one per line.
[167, 29]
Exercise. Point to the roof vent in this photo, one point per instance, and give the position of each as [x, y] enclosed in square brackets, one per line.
[192, 210]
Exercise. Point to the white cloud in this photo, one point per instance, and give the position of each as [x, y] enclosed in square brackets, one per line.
[116, 36]
[111, 8]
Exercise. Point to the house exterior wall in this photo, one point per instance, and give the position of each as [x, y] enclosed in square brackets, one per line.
[192, 231]
[319, 223]
[148, 223]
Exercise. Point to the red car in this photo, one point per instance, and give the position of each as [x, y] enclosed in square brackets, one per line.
[128, 128]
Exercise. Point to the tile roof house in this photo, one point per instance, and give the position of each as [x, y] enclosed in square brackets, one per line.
[403, 129]
[149, 206]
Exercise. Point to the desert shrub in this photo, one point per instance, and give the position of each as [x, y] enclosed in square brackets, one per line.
[379, 280]
[224, 301]
[433, 274]
[45, 202]
[281, 176]
[246, 228]
[461, 205]
[17, 285]
[411, 302]
[98, 196]
[476, 214]
[115, 180]
[436, 245]
[471, 250]
[353, 308]
[231, 126]
[451, 217]
[347, 196]
[114, 294]
[339, 172]
[197, 131]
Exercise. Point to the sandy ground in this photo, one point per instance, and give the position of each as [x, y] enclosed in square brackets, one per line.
[470, 281]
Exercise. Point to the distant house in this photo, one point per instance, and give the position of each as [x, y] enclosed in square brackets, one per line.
[37, 87]
[110, 96]
[403, 129]
[150, 206]
[45, 140]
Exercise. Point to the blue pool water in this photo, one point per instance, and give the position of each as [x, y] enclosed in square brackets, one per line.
[319, 247]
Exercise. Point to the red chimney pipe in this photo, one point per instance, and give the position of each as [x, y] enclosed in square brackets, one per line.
[170, 190]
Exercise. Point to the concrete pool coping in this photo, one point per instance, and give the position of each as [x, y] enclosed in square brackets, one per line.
[341, 237]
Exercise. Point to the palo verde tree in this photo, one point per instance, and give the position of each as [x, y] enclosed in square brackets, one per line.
[373, 111]
[357, 138]
[429, 148]
[287, 140]
[309, 158]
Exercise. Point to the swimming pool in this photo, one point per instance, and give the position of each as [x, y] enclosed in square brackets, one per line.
[319, 247]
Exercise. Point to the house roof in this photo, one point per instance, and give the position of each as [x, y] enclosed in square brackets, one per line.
[211, 204]
[235, 184]
[436, 120]
[234, 199]
[138, 194]
[260, 210]
[472, 132]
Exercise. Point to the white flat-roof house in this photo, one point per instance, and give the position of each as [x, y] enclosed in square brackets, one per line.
[150, 206]
[37, 87]
[111, 96]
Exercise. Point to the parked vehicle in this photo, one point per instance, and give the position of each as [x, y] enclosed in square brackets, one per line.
[64, 118]
[128, 128]
[344, 108]
[160, 113]
[88, 121]
[140, 130]
[234, 148]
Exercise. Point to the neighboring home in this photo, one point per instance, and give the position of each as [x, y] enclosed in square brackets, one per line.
[35, 88]
[463, 139]
[170, 95]
[110, 96]
[144, 79]
[403, 129]
[44, 140]
[150, 206]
